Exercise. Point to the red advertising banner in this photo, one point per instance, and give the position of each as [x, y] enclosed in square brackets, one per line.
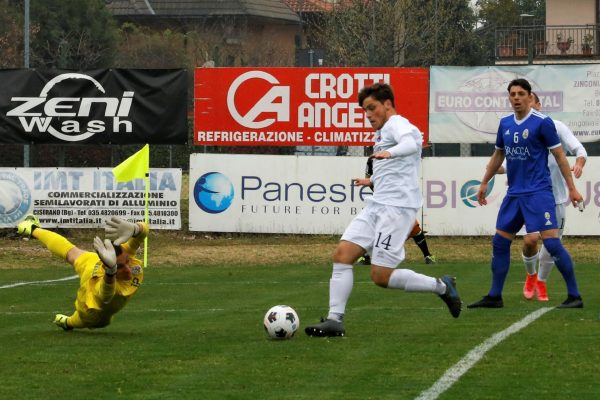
[298, 106]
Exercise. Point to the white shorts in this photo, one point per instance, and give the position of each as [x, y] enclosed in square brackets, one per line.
[561, 219]
[382, 230]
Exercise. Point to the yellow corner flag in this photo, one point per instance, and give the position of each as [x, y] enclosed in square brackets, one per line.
[136, 166]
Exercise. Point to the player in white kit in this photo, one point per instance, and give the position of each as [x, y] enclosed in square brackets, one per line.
[382, 227]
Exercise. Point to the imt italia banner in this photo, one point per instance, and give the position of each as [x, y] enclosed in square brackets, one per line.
[104, 106]
[299, 106]
[86, 197]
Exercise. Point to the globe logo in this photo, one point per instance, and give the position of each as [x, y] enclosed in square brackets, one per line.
[213, 192]
[15, 198]
[10, 197]
[468, 192]
[489, 88]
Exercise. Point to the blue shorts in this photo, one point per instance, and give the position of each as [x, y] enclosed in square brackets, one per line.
[537, 211]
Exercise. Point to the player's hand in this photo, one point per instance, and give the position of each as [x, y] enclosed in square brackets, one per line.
[575, 197]
[481, 193]
[107, 254]
[577, 171]
[119, 231]
[361, 181]
[381, 155]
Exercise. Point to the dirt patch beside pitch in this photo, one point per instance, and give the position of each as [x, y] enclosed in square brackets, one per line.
[172, 249]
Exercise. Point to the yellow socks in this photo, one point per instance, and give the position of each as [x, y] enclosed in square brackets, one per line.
[56, 243]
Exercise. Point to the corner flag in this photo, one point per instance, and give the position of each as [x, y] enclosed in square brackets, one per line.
[134, 167]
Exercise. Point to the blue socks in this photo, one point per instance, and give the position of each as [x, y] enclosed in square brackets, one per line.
[500, 264]
[563, 262]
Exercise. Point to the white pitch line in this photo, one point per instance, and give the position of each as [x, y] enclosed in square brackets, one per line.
[12, 285]
[453, 374]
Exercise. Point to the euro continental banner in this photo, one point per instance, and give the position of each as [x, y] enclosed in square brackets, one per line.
[298, 106]
[106, 106]
[466, 103]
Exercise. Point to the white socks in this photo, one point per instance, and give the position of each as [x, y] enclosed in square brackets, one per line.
[340, 287]
[342, 280]
[530, 263]
[546, 264]
[413, 282]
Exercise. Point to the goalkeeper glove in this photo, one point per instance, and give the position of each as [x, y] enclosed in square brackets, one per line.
[119, 231]
[107, 254]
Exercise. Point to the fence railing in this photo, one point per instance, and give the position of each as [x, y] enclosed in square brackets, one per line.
[575, 41]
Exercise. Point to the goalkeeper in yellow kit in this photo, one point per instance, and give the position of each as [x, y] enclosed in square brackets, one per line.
[108, 278]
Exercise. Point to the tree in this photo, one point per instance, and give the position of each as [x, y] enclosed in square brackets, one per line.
[442, 33]
[142, 47]
[399, 33]
[74, 34]
[359, 33]
[11, 36]
[506, 13]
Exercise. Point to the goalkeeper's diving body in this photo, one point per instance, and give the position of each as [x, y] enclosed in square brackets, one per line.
[108, 278]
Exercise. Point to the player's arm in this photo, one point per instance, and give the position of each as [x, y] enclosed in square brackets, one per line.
[572, 146]
[578, 166]
[362, 182]
[565, 170]
[136, 241]
[493, 165]
[128, 234]
[490, 170]
[366, 181]
[553, 141]
[501, 169]
[405, 145]
[105, 289]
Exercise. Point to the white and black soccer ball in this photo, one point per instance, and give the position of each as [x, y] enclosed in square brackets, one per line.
[281, 322]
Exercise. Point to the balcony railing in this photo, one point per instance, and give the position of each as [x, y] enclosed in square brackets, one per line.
[547, 41]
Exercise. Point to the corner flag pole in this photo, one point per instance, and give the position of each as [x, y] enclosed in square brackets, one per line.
[146, 195]
[137, 166]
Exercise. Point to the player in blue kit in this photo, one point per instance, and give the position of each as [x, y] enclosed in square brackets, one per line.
[525, 138]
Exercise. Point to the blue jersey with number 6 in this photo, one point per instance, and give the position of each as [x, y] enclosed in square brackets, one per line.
[526, 143]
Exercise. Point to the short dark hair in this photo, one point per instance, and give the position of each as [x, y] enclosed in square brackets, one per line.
[118, 249]
[524, 83]
[535, 96]
[379, 91]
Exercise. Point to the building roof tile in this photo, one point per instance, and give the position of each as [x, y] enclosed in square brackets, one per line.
[275, 9]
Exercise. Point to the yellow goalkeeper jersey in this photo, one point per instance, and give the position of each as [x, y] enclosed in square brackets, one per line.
[93, 308]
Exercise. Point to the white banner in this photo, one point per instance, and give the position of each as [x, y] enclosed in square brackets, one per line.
[286, 194]
[450, 198]
[466, 103]
[274, 194]
[85, 197]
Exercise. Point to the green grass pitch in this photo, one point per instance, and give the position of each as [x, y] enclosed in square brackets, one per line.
[195, 332]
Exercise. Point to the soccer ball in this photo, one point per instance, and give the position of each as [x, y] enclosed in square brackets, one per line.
[281, 322]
